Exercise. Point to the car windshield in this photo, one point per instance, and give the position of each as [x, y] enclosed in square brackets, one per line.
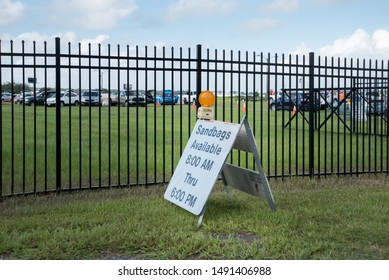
[91, 93]
[51, 95]
[133, 93]
[168, 93]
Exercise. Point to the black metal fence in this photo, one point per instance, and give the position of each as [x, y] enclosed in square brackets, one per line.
[335, 121]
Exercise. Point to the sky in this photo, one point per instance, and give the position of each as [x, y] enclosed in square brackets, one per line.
[334, 28]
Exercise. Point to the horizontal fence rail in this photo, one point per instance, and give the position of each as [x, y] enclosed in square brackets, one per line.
[311, 116]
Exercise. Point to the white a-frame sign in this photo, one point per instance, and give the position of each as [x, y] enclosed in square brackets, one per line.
[204, 160]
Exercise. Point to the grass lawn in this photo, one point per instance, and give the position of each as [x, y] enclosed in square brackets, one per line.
[335, 218]
[129, 146]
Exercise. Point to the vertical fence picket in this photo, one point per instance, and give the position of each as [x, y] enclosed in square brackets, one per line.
[58, 112]
[311, 114]
[1, 130]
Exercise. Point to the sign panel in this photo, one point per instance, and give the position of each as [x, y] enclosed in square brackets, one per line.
[250, 181]
[200, 164]
[31, 80]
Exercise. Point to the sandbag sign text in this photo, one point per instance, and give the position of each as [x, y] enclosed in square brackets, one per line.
[200, 164]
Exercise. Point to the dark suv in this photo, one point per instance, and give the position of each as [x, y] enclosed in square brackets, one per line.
[150, 95]
[305, 102]
[286, 101]
[290, 100]
[39, 99]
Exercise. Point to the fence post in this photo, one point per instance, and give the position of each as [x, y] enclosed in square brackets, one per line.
[1, 135]
[311, 113]
[58, 111]
[198, 76]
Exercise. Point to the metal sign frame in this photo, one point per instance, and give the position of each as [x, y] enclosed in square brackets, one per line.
[253, 182]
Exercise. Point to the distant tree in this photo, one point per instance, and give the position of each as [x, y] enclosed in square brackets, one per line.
[17, 87]
[257, 96]
[47, 89]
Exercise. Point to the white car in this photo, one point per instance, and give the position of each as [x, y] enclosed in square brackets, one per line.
[6, 97]
[67, 98]
[188, 97]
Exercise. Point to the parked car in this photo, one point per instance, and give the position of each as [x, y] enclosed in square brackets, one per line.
[167, 98]
[67, 98]
[6, 96]
[286, 101]
[134, 97]
[29, 100]
[188, 97]
[117, 98]
[90, 98]
[150, 95]
[21, 97]
[304, 104]
[39, 99]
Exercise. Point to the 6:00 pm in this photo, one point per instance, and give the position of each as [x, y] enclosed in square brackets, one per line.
[181, 196]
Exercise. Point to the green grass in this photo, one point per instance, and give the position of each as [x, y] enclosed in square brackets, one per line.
[336, 218]
[131, 146]
[100, 147]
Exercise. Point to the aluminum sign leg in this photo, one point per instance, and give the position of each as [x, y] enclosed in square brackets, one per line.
[199, 223]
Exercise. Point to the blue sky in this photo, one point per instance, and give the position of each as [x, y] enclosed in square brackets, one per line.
[340, 28]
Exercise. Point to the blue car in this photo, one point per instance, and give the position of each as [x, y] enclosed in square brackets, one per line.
[167, 98]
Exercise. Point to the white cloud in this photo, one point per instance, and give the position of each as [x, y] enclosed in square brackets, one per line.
[159, 44]
[360, 44]
[92, 14]
[10, 11]
[280, 6]
[66, 38]
[257, 25]
[381, 40]
[28, 38]
[332, 2]
[301, 49]
[200, 8]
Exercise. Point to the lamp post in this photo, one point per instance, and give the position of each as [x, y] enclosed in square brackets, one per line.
[101, 76]
[267, 71]
[101, 79]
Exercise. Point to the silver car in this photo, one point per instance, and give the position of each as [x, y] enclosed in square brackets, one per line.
[90, 98]
[117, 98]
[133, 97]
